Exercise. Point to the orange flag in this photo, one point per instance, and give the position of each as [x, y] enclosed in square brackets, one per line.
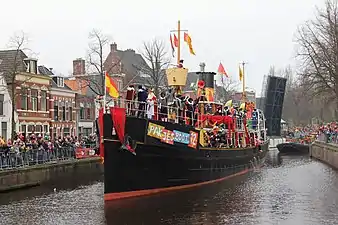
[221, 70]
[111, 87]
[187, 39]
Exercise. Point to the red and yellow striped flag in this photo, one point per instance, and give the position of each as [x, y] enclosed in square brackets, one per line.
[111, 87]
[187, 39]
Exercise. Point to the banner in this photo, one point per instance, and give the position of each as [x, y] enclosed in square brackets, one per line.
[81, 153]
[119, 120]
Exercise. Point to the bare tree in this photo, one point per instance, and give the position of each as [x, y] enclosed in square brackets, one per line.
[155, 54]
[227, 89]
[96, 57]
[318, 52]
[10, 71]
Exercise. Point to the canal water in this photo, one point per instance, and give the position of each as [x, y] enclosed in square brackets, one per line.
[288, 190]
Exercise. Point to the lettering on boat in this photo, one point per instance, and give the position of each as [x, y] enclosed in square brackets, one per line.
[193, 139]
[172, 137]
[181, 137]
[155, 130]
[168, 136]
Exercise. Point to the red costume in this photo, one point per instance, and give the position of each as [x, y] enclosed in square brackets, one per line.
[130, 97]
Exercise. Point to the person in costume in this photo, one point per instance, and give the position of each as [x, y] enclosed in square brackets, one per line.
[142, 99]
[151, 104]
[130, 97]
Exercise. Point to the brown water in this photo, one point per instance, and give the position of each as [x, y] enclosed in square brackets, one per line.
[291, 190]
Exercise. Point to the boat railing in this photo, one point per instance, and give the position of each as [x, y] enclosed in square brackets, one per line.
[243, 133]
[156, 111]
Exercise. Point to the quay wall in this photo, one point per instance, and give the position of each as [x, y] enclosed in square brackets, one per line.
[18, 178]
[325, 152]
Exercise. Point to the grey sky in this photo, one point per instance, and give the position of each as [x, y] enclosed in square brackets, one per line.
[257, 31]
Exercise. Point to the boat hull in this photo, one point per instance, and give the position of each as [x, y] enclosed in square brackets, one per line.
[160, 167]
[293, 148]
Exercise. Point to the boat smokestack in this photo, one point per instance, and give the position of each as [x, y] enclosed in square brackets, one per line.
[202, 67]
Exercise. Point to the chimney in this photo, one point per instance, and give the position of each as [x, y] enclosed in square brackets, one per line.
[113, 47]
[79, 67]
[202, 67]
[51, 70]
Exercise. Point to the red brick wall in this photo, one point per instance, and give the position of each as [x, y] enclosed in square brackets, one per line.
[85, 99]
[30, 112]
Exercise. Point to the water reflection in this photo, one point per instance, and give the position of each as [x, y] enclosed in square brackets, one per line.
[288, 190]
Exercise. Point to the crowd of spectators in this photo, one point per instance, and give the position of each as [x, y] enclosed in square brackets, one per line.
[37, 149]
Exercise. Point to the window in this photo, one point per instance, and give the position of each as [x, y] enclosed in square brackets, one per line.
[30, 128]
[56, 111]
[43, 101]
[34, 98]
[63, 112]
[23, 129]
[87, 131]
[119, 85]
[1, 104]
[87, 113]
[82, 116]
[45, 129]
[66, 131]
[60, 82]
[4, 130]
[70, 113]
[24, 99]
[38, 128]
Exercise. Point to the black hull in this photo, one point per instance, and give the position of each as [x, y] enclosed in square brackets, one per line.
[160, 167]
[293, 148]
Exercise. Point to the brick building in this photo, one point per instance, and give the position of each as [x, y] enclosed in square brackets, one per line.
[84, 98]
[30, 94]
[62, 111]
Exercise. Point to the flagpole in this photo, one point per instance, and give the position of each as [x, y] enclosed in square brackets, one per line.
[179, 42]
[104, 94]
[243, 79]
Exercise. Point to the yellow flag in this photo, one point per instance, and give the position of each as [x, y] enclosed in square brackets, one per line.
[240, 73]
[187, 39]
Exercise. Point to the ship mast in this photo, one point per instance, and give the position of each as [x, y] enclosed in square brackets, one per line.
[243, 82]
[179, 40]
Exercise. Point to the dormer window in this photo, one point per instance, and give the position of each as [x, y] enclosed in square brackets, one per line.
[31, 66]
[60, 82]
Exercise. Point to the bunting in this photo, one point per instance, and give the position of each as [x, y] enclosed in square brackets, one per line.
[187, 39]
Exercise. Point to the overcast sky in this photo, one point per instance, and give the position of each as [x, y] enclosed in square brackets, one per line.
[259, 32]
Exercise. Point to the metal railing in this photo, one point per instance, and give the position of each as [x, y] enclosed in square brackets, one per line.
[14, 158]
[154, 110]
[328, 137]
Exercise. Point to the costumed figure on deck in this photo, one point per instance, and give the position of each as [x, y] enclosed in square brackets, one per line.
[163, 106]
[180, 65]
[142, 99]
[130, 97]
[189, 109]
[151, 100]
[179, 107]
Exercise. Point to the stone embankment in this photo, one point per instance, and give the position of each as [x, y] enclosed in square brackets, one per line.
[18, 178]
[325, 152]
